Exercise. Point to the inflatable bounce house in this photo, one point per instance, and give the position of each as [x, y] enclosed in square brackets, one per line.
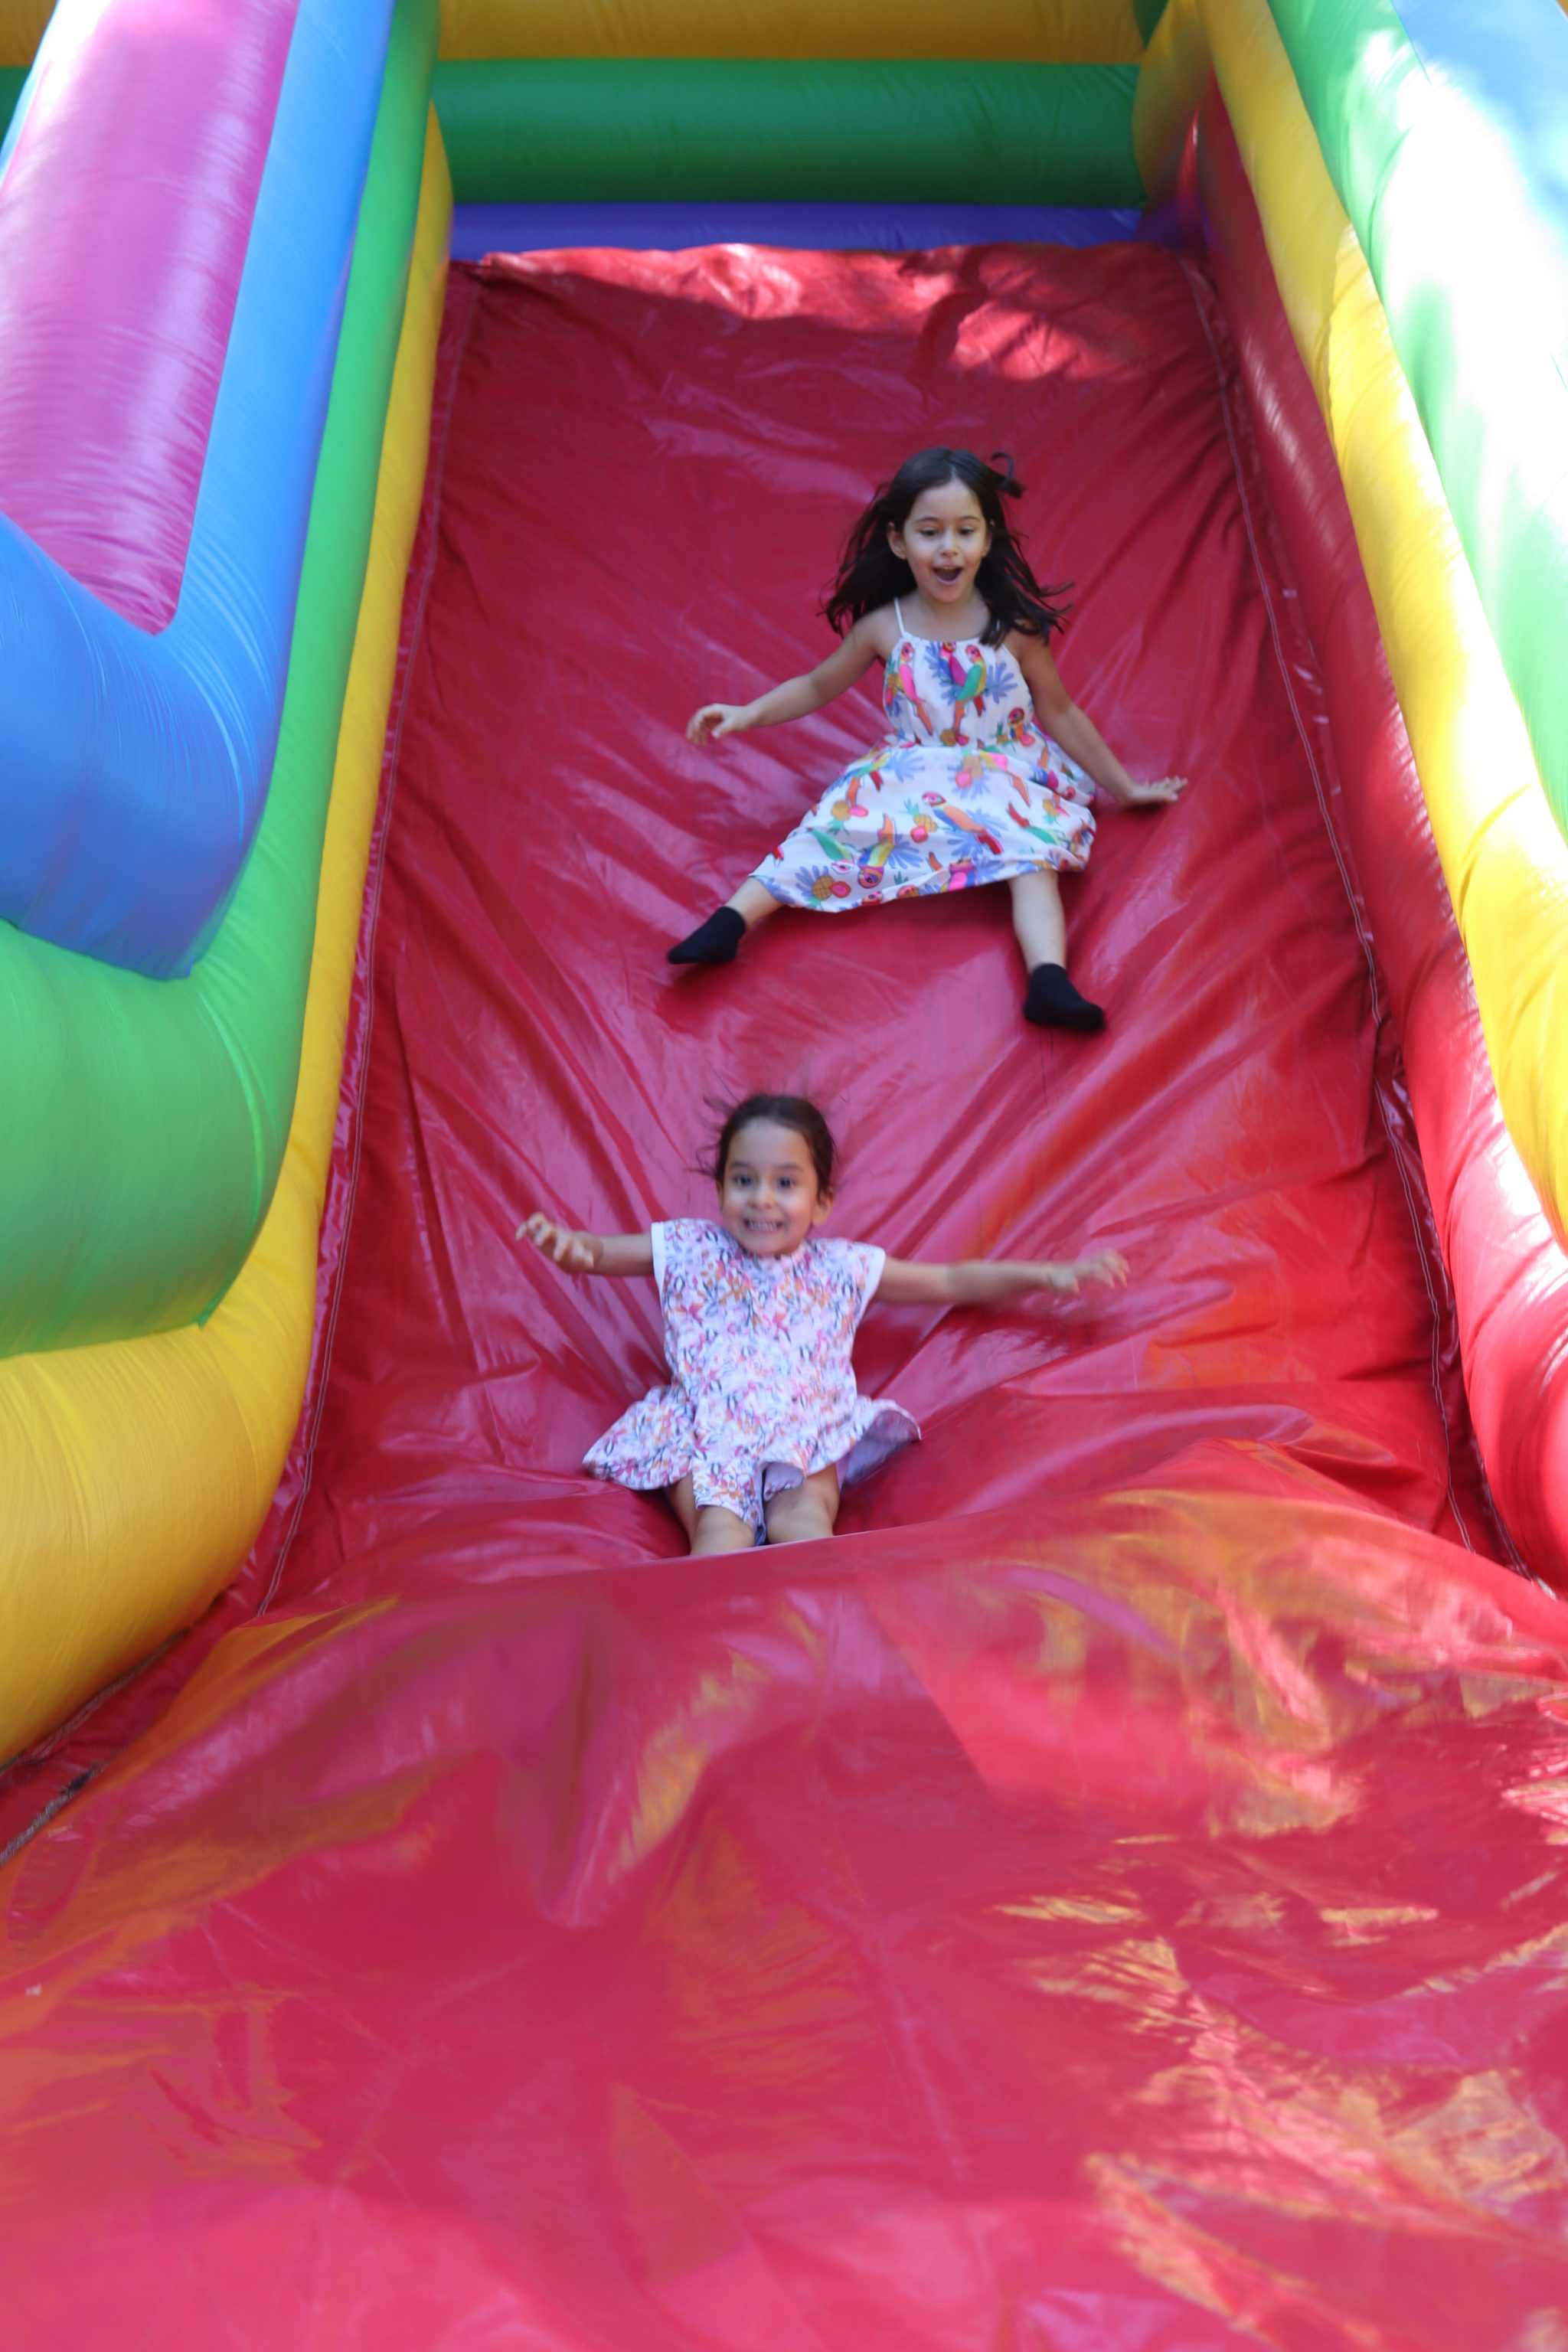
[1112, 1894]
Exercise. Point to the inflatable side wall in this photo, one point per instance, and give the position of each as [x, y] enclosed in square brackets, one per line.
[163, 1187]
[224, 248]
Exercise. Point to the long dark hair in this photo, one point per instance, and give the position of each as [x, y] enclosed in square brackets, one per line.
[782, 1110]
[870, 576]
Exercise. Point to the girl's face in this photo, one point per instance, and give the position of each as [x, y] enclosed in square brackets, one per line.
[945, 540]
[769, 1198]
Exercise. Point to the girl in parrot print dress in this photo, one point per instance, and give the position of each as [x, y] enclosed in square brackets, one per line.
[986, 770]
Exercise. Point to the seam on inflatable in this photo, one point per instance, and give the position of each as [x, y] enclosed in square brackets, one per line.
[1378, 1011]
[322, 1371]
[72, 1790]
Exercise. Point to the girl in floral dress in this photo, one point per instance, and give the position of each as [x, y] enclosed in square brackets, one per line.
[762, 1424]
[987, 768]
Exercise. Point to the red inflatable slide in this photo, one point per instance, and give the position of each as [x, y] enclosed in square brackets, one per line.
[1110, 1895]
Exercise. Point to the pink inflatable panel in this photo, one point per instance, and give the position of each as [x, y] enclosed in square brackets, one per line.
[139, 242]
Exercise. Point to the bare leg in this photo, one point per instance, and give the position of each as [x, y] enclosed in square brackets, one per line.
[1038, 917]
[708, 1527]
[801, 1513]
[716, 939]
[1052, 1002]
[753, 903]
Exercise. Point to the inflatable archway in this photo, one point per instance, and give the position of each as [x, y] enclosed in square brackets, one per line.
[224, 256]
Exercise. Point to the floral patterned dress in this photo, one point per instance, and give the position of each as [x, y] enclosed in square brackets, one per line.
[763, 1393]
[964, 788]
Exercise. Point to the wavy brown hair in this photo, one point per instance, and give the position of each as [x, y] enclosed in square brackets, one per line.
[793, 1111]
[870, 576]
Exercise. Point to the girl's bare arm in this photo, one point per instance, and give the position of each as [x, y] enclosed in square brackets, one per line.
[795, 696]
[576, 1252]
[1080, 738]
[983, 1282]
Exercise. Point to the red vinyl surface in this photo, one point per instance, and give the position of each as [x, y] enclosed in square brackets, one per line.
[1111, 1894]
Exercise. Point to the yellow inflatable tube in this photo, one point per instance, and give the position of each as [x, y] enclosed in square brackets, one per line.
[1505, 862]
[1170, 85]
[135, 1476]
[1065, 32]
[22, 25]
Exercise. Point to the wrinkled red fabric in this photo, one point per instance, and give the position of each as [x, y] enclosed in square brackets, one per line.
[1109, 1894]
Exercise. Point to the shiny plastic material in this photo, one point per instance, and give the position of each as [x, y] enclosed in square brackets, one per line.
[1233, 1129]
[1112, 1894]
[1171, 81]
[135, 1475]
[1101, 31]
[1466, 251]
[146, 1124]
[1509, 1274]
[125, 213]
[559, 129]
[481, 229]
[133, 767]
[1504, 861]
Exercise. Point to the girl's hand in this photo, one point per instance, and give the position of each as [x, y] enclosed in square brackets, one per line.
[573, 1253]
[1105, 1265]
[1155, 794]
[716, 719]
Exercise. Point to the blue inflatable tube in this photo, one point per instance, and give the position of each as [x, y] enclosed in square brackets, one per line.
[668, 228]
[133, 767]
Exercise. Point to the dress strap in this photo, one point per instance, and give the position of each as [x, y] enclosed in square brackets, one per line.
[898, 616]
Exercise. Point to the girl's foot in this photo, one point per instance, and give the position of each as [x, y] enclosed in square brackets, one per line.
[1054, 1003]
[714, 941]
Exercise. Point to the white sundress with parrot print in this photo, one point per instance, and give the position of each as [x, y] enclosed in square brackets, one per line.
[966, 787]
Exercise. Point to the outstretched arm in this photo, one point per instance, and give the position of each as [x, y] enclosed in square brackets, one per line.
[1080, 738]
[576, 1252]
[983, 1282]
[794, 698]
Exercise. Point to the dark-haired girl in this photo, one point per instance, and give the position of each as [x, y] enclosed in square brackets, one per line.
[762, 1424]
[987, 768]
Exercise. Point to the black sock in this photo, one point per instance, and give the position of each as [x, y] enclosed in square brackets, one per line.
[1054, 1003]
[714, 941]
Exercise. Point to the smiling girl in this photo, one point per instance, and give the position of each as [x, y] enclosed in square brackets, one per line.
[761, 1423]
[987, 772]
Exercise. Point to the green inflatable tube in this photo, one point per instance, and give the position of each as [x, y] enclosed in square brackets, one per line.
[11, 80]
[1491, 400]
[524, 131]
[146, 1118]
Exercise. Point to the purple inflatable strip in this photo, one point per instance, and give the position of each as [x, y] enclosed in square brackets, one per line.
[479, 229]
